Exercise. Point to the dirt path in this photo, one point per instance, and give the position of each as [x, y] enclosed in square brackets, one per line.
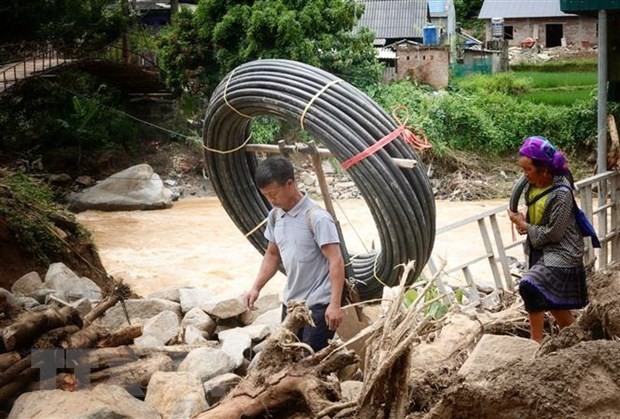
[195, 244]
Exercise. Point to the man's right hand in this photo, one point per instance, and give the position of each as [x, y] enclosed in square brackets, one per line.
[250, 298]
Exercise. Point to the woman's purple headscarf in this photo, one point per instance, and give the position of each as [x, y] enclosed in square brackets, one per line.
[540, 149]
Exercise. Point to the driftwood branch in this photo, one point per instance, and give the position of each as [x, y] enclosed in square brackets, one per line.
[120, 292]
[31, 325]
[284, 379]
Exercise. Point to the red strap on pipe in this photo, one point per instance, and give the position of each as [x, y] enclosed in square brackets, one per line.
[408, 136]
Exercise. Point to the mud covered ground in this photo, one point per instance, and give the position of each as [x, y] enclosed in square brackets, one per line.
[575, 373]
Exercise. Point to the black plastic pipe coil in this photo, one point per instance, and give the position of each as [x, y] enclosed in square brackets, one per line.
[517, 191]
[347, 122]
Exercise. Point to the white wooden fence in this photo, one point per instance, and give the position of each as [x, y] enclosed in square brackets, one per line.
[599, 198]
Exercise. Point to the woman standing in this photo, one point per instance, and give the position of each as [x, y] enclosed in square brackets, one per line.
[556, 279]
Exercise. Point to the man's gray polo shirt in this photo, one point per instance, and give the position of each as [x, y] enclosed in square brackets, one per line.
[307, 270]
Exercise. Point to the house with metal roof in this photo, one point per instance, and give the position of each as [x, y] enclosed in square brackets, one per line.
[394, 20]
[443, 15]
[541, 20]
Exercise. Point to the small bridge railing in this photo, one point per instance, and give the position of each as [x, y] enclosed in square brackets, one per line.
[49, 58]
[599, 198]
[44, 60]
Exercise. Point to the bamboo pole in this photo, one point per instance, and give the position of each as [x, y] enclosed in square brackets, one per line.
[322, 152]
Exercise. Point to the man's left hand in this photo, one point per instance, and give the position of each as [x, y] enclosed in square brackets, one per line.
[333, 316]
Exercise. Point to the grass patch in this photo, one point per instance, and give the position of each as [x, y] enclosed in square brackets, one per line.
[575, 65]
[547, 80]
[557, 97]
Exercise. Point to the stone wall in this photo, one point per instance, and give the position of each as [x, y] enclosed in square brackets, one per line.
[578, 31]
[428, 65]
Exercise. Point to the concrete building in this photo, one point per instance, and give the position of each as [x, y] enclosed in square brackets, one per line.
[424, 63]
[542, 21]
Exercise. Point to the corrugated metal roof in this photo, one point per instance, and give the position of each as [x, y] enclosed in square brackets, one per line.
[394, 18]
[520, 9]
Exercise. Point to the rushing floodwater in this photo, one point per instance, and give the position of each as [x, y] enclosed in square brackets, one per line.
[195, 244]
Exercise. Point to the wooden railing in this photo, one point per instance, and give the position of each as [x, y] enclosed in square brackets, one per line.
[45, 60]
[599, 198]
[50, 58]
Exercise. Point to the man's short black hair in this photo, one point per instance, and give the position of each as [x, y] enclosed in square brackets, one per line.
[274, 169]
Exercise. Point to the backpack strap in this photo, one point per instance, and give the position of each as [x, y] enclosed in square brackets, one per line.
[543, 193]
[276, 212]
[272, 217]
[309, 218]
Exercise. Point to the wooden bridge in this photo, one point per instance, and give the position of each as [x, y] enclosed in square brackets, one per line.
[136, 71]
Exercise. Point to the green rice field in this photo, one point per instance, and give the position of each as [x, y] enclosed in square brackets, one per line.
[559, 88]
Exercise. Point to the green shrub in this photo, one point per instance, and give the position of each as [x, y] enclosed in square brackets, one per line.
[507, 83]
[76, 111]
[26, 216]
[491, 123]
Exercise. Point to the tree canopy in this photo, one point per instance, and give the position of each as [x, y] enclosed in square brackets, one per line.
[68, 22]
[201, 47]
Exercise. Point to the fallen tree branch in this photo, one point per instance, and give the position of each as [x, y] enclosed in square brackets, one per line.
[284, 381]
[120, 291]
[31, 325]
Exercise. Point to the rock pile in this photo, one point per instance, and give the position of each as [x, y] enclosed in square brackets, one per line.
[186, 350]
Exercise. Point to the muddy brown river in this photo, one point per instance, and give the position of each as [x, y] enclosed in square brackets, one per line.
[195, 244]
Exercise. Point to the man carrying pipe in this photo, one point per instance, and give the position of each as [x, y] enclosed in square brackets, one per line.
[304, 239]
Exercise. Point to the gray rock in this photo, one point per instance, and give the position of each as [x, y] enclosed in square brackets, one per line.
[496, 351]
[271, 317]
[217, 387]
[193, 336]
[27, 284]
[82, 305]
[171, 294]
[27, 302]
[85, 180]
[162, 327]
[224, 308]
[135, 188]
[256, 332]
[176, 395]
[139, 311]
[193, 297]
[236, 343]
[60, 178]
[147, 342]
[200, 320]
[6, 295]
[263, 304]
[104, 401]
[207, 363]
[59, 277]
[41, 295]
[308, 179]
[328, 167]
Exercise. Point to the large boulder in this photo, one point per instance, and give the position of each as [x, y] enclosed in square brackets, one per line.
[104, 401]
[72, 287]
[139, 311]
[135, 188]
[176, 395]
[496, 352]
[27, 284]
[207, 363]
